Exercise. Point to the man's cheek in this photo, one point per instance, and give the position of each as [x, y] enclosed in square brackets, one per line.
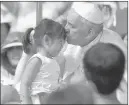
[74, 34]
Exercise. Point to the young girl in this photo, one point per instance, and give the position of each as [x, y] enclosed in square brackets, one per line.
[42, 71]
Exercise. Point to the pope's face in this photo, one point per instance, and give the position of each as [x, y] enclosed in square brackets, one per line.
[78, 29]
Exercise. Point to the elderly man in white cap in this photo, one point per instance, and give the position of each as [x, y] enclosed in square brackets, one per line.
[85, 21]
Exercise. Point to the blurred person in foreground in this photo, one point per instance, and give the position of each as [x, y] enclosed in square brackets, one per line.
[104, 66]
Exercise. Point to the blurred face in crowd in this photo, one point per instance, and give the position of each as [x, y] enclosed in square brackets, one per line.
[80, 29]
[14, 55]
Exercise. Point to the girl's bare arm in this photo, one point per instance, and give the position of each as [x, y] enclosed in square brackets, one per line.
[29, 75]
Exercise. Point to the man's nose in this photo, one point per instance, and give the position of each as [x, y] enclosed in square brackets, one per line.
[63, 22]
[68, 31]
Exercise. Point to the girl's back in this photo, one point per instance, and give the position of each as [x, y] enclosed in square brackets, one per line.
[47, 78]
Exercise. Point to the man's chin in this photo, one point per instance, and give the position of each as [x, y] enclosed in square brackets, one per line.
[72, 41]
[77, 42]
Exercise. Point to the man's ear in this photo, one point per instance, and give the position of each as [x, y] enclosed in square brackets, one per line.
[91, 33]
[47, 41]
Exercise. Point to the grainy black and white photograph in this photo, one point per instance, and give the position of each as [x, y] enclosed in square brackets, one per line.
[64, 52]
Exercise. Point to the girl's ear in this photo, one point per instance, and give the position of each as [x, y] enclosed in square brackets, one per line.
[47, 41]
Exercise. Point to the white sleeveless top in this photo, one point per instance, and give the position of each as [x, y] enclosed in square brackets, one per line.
[47, 78]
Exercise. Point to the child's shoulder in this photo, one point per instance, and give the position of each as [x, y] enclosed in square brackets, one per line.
[47, 63]
[33, 63]
[39, 58]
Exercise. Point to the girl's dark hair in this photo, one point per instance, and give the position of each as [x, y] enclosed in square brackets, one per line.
[46, 27]
[27, 41]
